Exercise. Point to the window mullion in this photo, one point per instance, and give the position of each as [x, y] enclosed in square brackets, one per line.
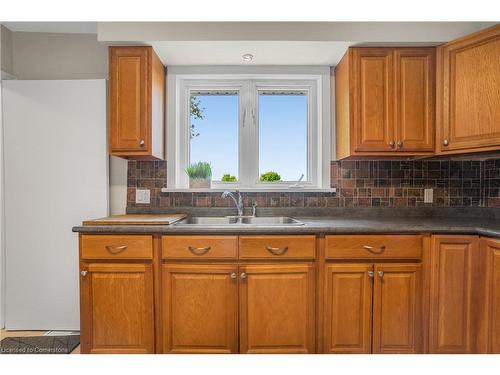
[247, 152]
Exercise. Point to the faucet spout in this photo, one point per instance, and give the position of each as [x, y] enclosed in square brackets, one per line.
[237, 199]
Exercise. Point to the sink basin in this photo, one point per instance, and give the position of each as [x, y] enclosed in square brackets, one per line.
[243, 221]
[272, 220]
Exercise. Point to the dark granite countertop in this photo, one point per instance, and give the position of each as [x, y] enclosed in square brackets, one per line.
[388, 222]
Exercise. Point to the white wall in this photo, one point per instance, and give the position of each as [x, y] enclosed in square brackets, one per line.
[69, 56]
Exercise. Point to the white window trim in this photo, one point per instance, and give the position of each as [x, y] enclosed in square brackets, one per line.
[318, 130]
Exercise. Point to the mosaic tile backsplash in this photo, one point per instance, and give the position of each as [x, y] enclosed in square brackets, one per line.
[366, 183]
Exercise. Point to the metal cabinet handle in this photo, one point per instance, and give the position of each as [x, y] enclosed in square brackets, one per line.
[445, 142]
[83, 273]
[277, 250]
[371, 250]
[243, 276]
[199, 250]
[380, 274]
[142, 143]
[233, 275]
[116, 249]
[370, 273]
[392, 144]
[400, 144]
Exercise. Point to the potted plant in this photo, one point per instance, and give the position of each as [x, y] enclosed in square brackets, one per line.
[200, 175]
[270, 176]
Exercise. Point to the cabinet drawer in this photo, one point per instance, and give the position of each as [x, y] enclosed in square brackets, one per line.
[116, 247]
[278, 247]
[373, 247]
[200, 247]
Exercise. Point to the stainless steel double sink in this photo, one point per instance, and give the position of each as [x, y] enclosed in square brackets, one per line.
[240, 220]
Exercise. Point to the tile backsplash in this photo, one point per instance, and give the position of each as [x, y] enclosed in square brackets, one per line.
[361, 183]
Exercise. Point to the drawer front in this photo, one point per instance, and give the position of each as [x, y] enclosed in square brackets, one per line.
[116, 247]
[373, 247]
[200, 247]
[277, 247]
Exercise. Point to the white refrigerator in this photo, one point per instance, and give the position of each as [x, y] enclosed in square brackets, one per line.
[55, 176]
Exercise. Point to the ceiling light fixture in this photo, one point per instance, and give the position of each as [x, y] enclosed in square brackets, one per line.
[247, 57]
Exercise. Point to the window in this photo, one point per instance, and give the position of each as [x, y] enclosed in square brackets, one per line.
[256, 132]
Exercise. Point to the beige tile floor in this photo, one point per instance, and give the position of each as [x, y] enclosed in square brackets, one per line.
[4, 333]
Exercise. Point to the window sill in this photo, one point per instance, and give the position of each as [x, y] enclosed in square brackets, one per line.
[256, 190]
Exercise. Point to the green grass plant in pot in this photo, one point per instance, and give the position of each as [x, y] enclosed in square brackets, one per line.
[270, 177]
[200, 175]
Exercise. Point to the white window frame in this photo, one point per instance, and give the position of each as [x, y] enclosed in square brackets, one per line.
[249, 86]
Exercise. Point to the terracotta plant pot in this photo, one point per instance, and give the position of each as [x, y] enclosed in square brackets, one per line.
[199, 183]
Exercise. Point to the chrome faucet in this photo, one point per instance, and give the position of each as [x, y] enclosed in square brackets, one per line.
[238, 202]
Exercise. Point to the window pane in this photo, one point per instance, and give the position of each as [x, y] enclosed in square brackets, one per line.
[282, 135]
[214, 132]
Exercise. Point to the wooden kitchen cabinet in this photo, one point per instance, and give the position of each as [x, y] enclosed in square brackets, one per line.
[468, 93]
[373, 308]
[136, 103]
[384, 101]
[397, 310]
[116, 302]
[348, 308]
[200, 308]
[491, 249]
[277, 313]
[453, 304]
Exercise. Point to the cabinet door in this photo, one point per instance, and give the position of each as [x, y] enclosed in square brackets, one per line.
[200, 308]
[116, 302]
[414, 99]
[129, 112]
[492, 248]
[277, 312]
[373, 99]
[348, 308]
[468, 94]
[397, 309]
[451, 321]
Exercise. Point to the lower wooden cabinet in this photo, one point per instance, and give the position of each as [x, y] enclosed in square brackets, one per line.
[277, 308]
[453, 270]
[200, 308]
[491, 248]
[373, 308]
[116, 302]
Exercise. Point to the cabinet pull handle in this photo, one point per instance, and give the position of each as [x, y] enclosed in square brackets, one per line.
[116, 249]
[233, 275]
[142, 143]
[446, 142]
[400, 144]
[243, 276]
[277, 250]
[199, 250]
[371, 250]
[380, 274]
[392, 144]
[370, 273]
[83, 273]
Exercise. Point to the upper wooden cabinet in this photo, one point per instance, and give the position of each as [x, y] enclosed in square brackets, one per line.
[384, 100]
[136, 100]
[468, 93]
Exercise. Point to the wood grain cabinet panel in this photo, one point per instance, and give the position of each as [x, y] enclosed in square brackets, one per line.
[277, 312]
[200, 247]
[136, 100]
[116, 247]
[277, 247]
[384, 102]
[116, 302]
[451, 318]
[414, 98]
[397, 314]
[348, 308]
[491, 249]
[469, 93]
[200, 308]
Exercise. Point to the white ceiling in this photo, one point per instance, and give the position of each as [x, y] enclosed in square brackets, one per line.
[271, 43]
[53, 27]
[264, 52]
